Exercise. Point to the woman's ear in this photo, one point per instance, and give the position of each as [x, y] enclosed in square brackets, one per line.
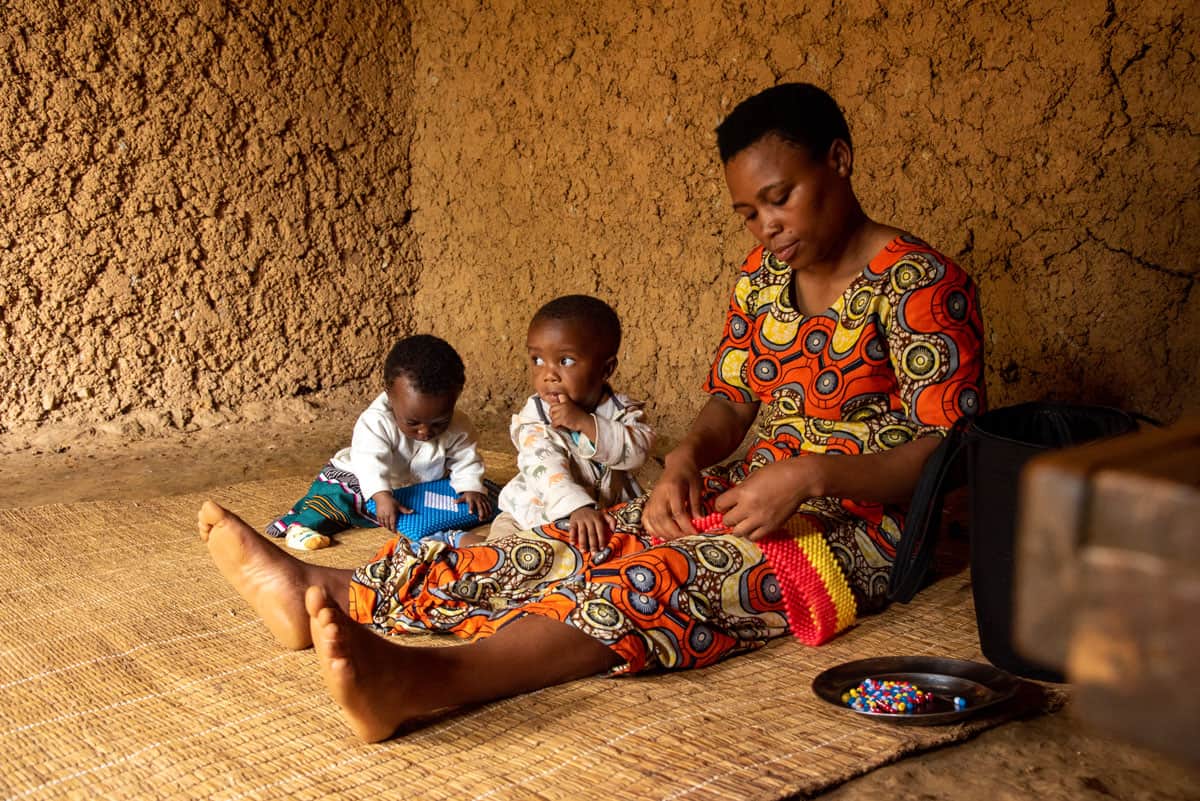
[841, 158]
[610, 367]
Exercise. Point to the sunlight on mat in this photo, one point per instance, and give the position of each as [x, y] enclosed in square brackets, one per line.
[129, 669]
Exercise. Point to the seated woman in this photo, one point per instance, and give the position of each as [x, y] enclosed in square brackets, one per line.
[865, 344]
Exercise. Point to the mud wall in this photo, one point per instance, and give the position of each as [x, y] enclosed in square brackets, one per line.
[1050, 147]
[224, 210]
[204, 205]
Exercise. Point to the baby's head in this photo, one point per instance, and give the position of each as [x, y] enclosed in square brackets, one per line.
[573, 342]
[423, 376]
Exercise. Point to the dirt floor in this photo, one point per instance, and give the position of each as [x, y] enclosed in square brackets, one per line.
[1050, 757]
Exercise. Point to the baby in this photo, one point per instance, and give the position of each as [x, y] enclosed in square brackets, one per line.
[409, 434]
[577, 440]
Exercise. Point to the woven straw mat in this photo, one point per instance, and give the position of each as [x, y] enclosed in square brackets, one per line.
[130, 669]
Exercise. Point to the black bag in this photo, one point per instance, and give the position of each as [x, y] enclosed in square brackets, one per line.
[996, 445]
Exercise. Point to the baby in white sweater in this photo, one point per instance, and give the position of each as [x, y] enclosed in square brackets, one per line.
[409, 434]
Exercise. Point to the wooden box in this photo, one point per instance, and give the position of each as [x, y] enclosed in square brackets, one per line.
[1107, 581]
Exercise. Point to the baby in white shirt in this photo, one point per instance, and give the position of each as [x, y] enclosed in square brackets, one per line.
[409, 434]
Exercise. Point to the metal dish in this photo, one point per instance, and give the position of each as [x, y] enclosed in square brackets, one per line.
[983, 686]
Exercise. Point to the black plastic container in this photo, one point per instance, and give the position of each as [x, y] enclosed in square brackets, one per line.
[998, 444]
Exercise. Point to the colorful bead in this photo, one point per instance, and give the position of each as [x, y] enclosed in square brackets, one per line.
[709, 523]
[888, 697]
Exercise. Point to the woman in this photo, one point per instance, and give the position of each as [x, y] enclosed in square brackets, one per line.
[864, 343]
[862, 368]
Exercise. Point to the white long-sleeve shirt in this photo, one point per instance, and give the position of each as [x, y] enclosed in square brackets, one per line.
[382, 457]
[560, 471]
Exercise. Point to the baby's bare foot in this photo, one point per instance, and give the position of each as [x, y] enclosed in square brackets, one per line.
[374, 681]
[271, 581]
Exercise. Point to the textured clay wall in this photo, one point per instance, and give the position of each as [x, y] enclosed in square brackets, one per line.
[203, 205]
[211, 210]
[1050, 147]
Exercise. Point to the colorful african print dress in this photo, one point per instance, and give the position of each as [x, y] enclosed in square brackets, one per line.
[898, 356]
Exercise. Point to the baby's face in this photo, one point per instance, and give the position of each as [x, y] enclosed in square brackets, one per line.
[565, 361]
[419, 416]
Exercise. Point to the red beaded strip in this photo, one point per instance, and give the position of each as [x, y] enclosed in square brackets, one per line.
[709, 524]
[818, 599]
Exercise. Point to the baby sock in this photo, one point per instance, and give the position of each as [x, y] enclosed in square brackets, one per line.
[303, 538]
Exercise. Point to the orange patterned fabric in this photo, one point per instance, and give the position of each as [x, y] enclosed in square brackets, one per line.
[819, 602]
[681, 605]
[898, 356]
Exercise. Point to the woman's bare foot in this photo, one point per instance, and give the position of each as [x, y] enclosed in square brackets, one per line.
[271, 581]
[375, 682]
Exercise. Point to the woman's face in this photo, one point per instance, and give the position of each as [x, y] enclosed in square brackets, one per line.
[794, 205]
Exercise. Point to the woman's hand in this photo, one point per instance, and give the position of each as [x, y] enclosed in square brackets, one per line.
[767, 498]
[589, 529]
[675, 499]
[716, 432]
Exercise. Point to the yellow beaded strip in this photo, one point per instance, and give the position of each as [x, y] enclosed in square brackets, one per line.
[821, 557]
[813, 583]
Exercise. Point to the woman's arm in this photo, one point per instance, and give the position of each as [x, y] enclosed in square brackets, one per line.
[769, 495]
[716, 432]
[887, 477]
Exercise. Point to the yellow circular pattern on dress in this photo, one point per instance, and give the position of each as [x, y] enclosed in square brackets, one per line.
[906, 274]
[775, 266]
[602, 614]
[780, 332]
[732, 366]
[860, 303]
[892, 436]
[528, 559]
[919, 360]
[768, 294]
[714, 557]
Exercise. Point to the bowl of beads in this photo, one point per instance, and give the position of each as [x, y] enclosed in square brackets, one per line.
[915, 690]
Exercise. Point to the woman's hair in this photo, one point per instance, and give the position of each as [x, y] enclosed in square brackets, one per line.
[430, 364]
[798, 113]
[597, 317]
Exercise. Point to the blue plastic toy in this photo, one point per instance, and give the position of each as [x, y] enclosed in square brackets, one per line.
[434, 509]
